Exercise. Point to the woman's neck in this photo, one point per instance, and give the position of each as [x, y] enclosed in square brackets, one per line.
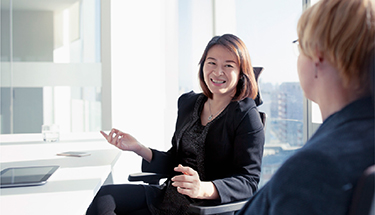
[337, 101]
[330, 92]
[217, 102]
[213, 107]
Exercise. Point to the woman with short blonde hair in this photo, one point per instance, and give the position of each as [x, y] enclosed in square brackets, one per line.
[336, 43]
[346, 41]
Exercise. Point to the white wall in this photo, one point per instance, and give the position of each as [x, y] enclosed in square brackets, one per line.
[144, 81]
[146, 62]
[225, 17]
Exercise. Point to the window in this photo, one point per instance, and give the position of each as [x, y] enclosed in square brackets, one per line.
[268, 29]
[130, 74]
[51, 66]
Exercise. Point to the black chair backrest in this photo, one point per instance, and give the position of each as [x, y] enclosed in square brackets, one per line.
[257, 71]
[364, 193]
[258, 100]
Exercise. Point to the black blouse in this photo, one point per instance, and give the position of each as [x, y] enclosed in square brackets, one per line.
[191, 152]
[192, 146]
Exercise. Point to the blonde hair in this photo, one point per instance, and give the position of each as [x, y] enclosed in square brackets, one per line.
[343, 32]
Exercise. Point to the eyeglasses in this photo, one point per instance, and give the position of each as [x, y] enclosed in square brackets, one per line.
[296, 47]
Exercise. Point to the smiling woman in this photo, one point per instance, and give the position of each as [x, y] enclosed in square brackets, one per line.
[237, 53]
[225, 74]
[221, 71]
[214, 158]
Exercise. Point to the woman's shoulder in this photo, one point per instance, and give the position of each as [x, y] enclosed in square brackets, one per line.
[188, 98]
[245, 105]
[244, 111]
[318, 163]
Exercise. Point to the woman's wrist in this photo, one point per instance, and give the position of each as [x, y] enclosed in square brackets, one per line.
[208, 191]
[144, 152]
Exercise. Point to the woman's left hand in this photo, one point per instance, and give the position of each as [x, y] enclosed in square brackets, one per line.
[189, 184]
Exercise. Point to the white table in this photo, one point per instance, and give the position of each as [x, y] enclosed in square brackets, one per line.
[70, 189]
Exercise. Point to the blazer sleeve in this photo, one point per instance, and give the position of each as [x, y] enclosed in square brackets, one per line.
[245, 166]
[162, 162]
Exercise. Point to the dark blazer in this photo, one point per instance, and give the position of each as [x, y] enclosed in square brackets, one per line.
[233, 147]
[319, 179]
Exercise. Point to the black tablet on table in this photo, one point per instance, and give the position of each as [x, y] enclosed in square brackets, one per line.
[26, 176]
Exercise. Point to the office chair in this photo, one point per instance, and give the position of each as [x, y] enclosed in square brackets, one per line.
[363, 201]
[154, 178]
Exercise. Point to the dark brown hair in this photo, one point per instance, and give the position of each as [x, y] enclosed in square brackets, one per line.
[246, 86]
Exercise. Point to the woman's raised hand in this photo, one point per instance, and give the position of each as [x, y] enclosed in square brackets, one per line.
[127, 142]
[122, 140]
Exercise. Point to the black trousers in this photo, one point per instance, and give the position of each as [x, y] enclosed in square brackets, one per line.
[120, 199]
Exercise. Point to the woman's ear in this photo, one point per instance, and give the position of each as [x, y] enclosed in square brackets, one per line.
[318, 58]
[318, 61]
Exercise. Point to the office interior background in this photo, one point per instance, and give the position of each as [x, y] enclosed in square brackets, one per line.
[90, 65]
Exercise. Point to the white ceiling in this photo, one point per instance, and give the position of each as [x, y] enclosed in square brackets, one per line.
[49, 5]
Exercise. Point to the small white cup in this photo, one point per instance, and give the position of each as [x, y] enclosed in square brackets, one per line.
[51, 133]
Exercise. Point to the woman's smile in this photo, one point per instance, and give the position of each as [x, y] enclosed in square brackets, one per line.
[217, 82]
[221, 71]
